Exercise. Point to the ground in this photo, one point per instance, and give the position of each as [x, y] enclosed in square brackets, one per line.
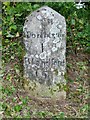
[17, 103]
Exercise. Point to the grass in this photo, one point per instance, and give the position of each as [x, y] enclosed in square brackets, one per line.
[17, 103]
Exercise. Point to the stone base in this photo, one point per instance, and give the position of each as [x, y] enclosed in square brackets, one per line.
[43, 91]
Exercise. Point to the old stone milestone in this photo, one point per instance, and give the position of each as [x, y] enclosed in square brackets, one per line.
[45, 44]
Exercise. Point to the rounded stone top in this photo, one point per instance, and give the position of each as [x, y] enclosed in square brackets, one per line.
[44, 13]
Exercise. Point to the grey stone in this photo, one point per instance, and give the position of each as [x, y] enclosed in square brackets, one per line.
[45, 43]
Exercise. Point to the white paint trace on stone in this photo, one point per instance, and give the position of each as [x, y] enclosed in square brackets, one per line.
[62, 68]
[62, 73]
[25, 27]
[39, 17]
[45, 44]
[36, 46]
[59, 26]
[43, 55]
[58, 44]
[48, 53]
[36, 56]
[40, 27]
[54, 49]
[45, 13]
[59, 73]
[34, 66]
[47, 40]
[29, 67]
[32, 56]
[63, 52]
[54, 29]
[56, 40]
[52, 69]
[64, 31]
[51, 17]
[56, 22]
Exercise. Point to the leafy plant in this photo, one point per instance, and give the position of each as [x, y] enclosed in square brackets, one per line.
[17, 108]
[61, 115]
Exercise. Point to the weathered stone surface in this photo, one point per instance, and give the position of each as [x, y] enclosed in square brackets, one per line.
[45, 43]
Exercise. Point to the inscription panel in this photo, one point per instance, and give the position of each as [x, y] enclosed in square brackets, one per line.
[45, 43]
